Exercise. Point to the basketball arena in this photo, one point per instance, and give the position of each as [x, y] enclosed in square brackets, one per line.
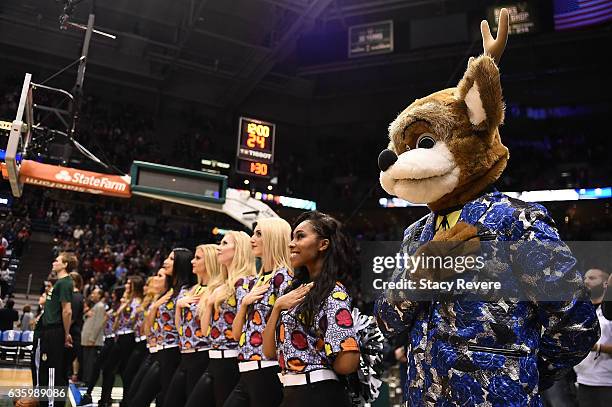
[268, 203]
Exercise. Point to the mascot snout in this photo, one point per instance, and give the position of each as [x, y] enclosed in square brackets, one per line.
[386, 159]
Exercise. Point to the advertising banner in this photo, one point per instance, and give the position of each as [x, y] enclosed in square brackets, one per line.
[72, 179]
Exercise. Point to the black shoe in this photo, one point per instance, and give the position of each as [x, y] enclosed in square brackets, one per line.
[85, 400]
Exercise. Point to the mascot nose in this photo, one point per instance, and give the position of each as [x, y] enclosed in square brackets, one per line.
[386, 159]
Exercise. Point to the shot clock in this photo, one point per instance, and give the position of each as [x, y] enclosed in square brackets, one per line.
[255, 147]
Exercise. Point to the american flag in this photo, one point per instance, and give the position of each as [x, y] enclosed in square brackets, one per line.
[580, 13]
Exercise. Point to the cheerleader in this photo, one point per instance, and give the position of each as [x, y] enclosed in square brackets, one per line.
[146, 383]
[310, 329]
[140, 351]
[217, 315]
[169, 355]
[259, 385]
[124, 327]
[193, 343]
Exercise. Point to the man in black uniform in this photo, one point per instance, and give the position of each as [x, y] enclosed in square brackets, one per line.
[52, 334]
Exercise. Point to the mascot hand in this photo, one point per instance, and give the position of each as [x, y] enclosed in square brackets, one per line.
[459, 241]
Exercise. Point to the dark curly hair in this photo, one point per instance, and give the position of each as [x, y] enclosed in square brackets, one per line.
[338, 264]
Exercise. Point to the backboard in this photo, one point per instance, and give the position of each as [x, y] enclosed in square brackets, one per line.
[20, 136]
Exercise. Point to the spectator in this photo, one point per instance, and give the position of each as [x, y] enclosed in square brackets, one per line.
[595, 371]
[78, 232]
[606, 306]
[27, 318]
[22, 238]
[8, 316]
[5, 278]
[64, 217]
[3, 246]
[120, 271]
[90, 287]
[91, 337]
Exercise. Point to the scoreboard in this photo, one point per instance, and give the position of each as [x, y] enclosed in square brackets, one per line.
[523, 17]
[255, 153]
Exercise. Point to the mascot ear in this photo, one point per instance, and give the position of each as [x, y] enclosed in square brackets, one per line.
[480, 87]
[480, 90]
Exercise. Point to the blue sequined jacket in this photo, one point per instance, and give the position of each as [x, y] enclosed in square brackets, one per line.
[500, 353]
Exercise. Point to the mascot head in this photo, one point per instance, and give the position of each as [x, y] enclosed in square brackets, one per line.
[445, 148]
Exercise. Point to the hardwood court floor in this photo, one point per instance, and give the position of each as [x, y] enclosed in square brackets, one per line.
[14, 376]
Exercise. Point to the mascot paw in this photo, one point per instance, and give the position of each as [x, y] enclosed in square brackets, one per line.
[459, 241]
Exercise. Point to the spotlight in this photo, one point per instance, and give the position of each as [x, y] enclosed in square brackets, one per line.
[269, 187]
[246, 182]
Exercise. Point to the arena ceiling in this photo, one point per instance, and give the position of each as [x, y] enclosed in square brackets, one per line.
[225, 54]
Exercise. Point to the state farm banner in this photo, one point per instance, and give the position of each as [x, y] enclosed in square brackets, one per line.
[72, 179]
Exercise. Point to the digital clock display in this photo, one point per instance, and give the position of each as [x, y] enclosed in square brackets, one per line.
[254, 168]
[256, 140]
[255, 153]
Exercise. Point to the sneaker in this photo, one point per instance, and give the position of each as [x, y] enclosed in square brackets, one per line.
[85, 400]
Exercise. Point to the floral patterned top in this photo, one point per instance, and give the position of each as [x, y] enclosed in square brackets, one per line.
[110, 321]
[152, 334]
[139, 316]
[127, 317]
[300, 349]
[190, 330]
[251, 340]
[220, 330]
[165, 325]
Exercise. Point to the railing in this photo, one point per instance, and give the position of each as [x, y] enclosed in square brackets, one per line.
[29, 286]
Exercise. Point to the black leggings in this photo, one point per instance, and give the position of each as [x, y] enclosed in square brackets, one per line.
[169, 360]
[126, 344]
[132, 368]
[146, 383]
[117, 361]
[257, 388]
[217, 384]
[328, 393]
[189, 371]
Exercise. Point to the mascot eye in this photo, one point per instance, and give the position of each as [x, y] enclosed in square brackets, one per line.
[425, 140]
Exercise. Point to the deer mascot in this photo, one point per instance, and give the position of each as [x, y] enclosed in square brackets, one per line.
[445, 151]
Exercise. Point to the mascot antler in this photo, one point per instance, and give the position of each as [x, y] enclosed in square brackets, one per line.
[495, 47]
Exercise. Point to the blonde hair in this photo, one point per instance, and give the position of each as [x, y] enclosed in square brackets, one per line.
[215, 275]
[148, 298]
[243, 265]
[276, 235]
